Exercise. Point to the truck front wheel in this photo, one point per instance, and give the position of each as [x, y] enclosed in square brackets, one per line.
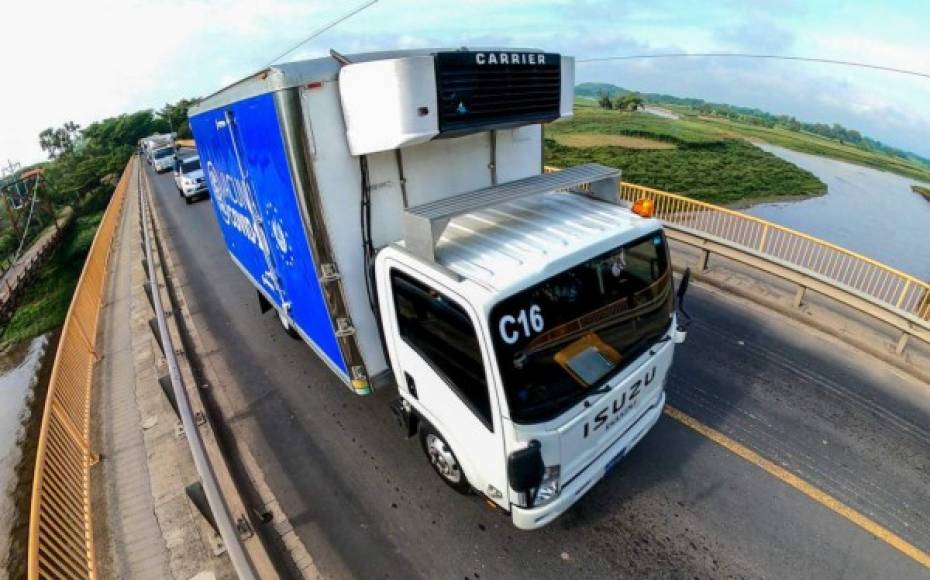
[443, 460]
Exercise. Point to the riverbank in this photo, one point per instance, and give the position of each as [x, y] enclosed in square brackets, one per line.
[872, 212]
[24, 374]
[685, 157]
[924, 191]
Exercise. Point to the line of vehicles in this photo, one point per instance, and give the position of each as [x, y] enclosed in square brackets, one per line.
[392, 210]
[162, 154]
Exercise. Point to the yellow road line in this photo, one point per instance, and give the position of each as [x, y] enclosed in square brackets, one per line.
[821, 497]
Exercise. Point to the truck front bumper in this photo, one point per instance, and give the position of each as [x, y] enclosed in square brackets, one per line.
[537, 517]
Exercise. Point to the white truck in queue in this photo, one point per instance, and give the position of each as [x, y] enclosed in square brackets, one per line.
[392, 209]
[159, 151]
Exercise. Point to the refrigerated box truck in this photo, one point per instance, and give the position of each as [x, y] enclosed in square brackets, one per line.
[392, 209]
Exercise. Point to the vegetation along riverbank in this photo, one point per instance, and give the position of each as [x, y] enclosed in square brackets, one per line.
[86, 163]
[722, 120]
[675, 155]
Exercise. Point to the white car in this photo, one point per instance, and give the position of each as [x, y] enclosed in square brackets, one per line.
[188, 176]
[163, 158]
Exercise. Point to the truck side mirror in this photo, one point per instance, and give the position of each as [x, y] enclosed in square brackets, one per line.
[525, 468]
[683, 285]
[680, 294]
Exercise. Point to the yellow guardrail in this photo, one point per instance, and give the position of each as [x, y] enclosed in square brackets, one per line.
[60, 533]
[881, 283]
[878, 281]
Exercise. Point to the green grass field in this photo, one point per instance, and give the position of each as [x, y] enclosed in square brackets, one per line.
[817, 145]
[707, 164]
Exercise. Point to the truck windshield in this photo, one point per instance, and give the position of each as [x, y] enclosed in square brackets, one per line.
[161, 153]
[567, 335]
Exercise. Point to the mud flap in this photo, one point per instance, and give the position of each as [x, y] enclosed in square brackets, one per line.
[263, 304]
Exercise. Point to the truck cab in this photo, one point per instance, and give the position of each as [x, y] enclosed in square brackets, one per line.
[163, 158]
[544, 323]
[392, 209]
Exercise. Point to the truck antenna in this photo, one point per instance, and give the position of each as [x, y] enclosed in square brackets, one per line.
[321, 30]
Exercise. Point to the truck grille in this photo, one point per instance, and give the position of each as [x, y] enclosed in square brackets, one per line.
[486, 90]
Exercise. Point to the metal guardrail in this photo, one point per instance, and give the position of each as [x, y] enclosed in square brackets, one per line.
[873, 288]
[60, 533]
[224, 522]
[884, 284]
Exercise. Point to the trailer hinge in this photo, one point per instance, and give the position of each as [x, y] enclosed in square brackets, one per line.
[344, 327]
[330, 273]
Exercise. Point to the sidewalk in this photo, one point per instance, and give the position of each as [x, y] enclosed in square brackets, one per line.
[144, 524]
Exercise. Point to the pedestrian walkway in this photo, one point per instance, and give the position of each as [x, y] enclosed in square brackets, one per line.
[19, 271]
[144, 524]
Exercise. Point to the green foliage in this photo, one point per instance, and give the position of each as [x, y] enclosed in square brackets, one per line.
[722, 173]
[707, 163]
[61, 140]
[175, 115]
[677, 132]
[757, 117]
[45, 304]
[628, 102]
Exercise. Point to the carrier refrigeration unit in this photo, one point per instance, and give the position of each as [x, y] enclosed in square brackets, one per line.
[392, 210]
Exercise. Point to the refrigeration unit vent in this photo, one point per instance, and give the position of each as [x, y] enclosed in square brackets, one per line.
[479, 90]
[399, 102]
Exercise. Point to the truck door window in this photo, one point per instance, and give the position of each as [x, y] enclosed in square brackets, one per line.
[441, 332]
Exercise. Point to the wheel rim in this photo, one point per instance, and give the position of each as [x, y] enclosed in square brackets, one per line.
[442, 459]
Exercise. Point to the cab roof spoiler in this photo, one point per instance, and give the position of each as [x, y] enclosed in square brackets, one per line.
[424, 224]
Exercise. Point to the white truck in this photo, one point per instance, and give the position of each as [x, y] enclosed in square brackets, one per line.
[392, 209]
[163, 144]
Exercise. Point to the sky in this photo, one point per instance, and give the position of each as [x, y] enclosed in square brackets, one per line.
[88, 60]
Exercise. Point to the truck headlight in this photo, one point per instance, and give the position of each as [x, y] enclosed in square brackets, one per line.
[550, 487]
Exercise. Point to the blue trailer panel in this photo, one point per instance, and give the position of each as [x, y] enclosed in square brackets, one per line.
[256, 205]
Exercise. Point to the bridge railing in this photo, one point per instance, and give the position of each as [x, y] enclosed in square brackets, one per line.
[845, 268]
[60, 532]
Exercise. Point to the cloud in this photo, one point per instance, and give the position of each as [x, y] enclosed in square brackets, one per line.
[99, 58]
[759, 36]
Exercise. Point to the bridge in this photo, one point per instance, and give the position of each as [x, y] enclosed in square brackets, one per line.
[186, 433]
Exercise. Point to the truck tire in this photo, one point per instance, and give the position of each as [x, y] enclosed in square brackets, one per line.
[443, 460]
[187, 199]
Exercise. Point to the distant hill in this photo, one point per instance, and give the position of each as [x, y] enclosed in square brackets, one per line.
[755, 117]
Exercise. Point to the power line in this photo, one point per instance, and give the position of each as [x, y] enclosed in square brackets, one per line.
[760, 56]
[321, 30]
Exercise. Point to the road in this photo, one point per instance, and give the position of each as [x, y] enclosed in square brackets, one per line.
[367, 505]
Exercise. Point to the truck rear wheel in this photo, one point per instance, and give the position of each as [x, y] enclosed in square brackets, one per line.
[444, 462]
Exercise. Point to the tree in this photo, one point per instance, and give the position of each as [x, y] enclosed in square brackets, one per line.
[175, 115]
[57, 142]
[604, 101]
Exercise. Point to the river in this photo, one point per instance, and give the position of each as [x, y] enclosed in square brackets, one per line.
[19, 371]
[871, 212]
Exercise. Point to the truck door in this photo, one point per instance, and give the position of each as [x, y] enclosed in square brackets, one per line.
[440, 360]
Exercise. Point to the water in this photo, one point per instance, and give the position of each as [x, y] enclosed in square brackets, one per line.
[19, 369]
[868, 211]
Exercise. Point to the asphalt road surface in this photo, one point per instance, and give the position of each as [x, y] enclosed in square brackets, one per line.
[366, 503]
